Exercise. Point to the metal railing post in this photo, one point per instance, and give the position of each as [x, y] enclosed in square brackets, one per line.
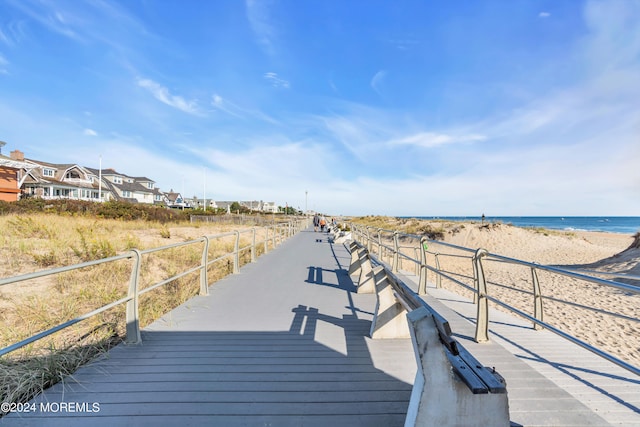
[253, 245]
[422, 281]
[368, 228]
[273, 237]
[538, 312]
[133, 322]
[482, 318]
[204, 277]
[380, 250]
[394, 264]
[236, 253]
[438, 276]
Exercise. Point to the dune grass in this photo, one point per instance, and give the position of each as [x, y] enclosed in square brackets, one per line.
[42, 241]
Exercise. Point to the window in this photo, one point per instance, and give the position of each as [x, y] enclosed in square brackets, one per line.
[126, 193]
[117, 180]
[48, 172]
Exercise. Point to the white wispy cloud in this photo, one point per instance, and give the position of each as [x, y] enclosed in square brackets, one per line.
[163, 95]
[377, 80]
[544, 15]
[3, 65]
[276, 81]
[431, 139]
[614, 39]
[52, 16]
[90, 132]
[12, 32]
[224, 105]
[259, 17]
[221, 104]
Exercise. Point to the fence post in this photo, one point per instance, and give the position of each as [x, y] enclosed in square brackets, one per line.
[204, 278]
[368, 238]
[266, 239]
[538, 311]
[133, 322]
[394, 264]
[475, 281]
[482, 318]
[438, 276]
[236, 253]
[380, 250]
[253, 245]
[422, 282]
[273, 237]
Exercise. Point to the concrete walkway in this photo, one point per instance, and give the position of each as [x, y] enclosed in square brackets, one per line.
[285, 343]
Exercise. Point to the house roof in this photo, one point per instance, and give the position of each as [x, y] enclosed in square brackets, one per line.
[8, 162]
[142, 179]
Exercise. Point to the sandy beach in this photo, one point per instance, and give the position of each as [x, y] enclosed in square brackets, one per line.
[602, 316]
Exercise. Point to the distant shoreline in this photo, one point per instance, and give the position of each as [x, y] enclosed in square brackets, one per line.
[612, 224]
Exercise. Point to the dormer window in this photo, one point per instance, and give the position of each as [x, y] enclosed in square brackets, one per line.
[117, 180]
[48, 172]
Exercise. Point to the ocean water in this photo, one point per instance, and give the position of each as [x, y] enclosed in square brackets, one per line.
[611, 224]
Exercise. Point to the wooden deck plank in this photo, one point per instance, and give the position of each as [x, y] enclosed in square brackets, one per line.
[285, 343]
[267, 346]
[539, 364]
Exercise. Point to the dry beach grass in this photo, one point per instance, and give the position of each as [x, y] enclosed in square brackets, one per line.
[42, 241]
[602, 316]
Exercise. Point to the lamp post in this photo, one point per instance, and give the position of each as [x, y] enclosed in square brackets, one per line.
[306, 210]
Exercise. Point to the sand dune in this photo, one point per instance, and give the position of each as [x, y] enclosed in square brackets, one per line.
[605, 317]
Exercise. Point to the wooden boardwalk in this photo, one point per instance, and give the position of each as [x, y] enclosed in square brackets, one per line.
[285, 343]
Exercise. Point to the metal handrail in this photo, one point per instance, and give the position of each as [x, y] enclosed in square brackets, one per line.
[480, 295]
[132, 312]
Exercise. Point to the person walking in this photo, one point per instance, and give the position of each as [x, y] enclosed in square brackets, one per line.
[316, 222]
[323, 223]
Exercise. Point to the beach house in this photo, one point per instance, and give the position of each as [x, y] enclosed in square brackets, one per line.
[11, 176]
[58, 181]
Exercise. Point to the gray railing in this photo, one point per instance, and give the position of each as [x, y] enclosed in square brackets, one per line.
[263, 219]
[273, 236]
[386, 245]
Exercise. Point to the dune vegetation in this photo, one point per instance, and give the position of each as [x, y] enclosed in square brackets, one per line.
[36, 238]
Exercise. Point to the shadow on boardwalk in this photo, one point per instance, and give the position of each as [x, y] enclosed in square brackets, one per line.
[234, 378]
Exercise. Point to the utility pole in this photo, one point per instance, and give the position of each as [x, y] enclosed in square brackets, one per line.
[306, 210]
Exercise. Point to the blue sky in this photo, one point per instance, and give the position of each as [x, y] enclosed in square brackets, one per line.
[372, 107]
